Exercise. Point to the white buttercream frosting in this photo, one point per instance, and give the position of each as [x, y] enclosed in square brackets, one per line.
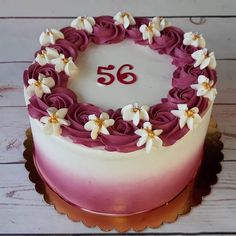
[203, 59]
[187, 116]
[124, 18]
[205, 88]
[148, 137]
[50, 36]
[133, 112]
[83, 23]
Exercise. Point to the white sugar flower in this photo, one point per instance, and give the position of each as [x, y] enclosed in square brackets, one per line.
[53, 122]
[187, 116]
[83, 23]
[124, 18]
[155, 26]
[98, 125]
[40, 86]
[50, 36]
[45, 56]
[205, 88]
[148, 136]
[203, 59]
[194, 39]
[65, 64]
[135, 113]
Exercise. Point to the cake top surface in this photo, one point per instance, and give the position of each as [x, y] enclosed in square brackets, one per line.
[120, 82]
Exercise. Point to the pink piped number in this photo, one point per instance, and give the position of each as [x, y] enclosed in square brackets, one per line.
[110, 78]
[126, 77]
[123, 77]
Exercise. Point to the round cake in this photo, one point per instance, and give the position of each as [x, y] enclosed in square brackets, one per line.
[119, 108]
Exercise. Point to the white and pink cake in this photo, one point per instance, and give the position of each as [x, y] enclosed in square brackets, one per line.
[119, 108]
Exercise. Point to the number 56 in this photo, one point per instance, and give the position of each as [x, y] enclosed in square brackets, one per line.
[122, 77]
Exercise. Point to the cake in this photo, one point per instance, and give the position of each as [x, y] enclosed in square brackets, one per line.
[119, 109]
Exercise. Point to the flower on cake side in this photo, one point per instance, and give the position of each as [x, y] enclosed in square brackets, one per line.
[53, 122]
[148, 136]
[124, 18]
[154, 28]
[203, 59]
[50, 36]
[194, 39]
[187, 116]
[133, 112]
[98, 125]
[40, 86]
[45, 56]
[205, 88]
[83, 23]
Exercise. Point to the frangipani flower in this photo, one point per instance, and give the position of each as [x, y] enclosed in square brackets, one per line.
[148, 136]
[205, 88]
[98, 125]
[45, 56]
[194, 39]
[83, 23]
[53, 122]
[40, 86]
[124, 18]
[203, 59]
[155, 26]
[50, 37]
[61, 63]
[135, 113]
[187, 116]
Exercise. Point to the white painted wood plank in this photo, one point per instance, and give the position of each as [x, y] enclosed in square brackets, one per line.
[24, 211]
[138, 7]
[14, 122]
[11, 85]
[19, 37]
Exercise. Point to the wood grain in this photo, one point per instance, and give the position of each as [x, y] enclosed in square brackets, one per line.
[85, 7]
[21, 35]
[19, 203]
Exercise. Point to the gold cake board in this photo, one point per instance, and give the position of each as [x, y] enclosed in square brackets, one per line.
[180, 205]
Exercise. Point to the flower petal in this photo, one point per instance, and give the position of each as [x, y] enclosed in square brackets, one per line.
[48, 129]
[89, 125]
[94, 133]
[141, 132]
[142, 140]
[190, 123]
[104, 130]
[148, 145]
[147, 125]
[109, 122]
[56, 129]
[136, 118]
[61, 113]
[182, 121]
[44, 119]
[52, 110]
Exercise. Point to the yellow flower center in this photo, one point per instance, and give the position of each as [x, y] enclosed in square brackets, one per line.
[65, 60]
[53, 119]
[99, 122]
[150, 27]
[190, 113]
[150, 133]
[196, 36]
[42, 54]
[135, 109]
[206, 85]
[49, 32]
[38, 83]
[124, 14]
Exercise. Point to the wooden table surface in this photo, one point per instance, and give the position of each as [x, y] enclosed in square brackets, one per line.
[22, 209]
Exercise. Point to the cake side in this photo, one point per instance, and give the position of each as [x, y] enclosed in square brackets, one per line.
[118, 183]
